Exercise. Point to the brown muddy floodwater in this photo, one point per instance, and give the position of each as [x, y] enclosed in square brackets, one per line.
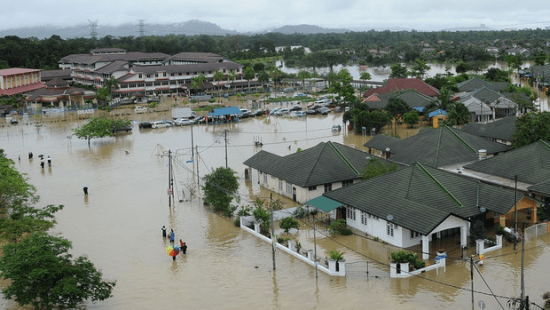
[118, 226]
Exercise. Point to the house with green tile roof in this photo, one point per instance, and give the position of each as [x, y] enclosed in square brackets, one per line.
[526, 169]
[439, 147]
[413, 205]
[413, 98]
[476, 83]
[500, 130]
[308, 174]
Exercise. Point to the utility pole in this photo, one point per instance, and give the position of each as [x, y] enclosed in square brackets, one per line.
[273, 243]
[170, 182]
[198, 178]
[192, 144]
[522, 257]
[315, 248]
[515, 210]
[472, 278]
[226, 149]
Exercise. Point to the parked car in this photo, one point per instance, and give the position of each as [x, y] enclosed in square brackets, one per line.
[300, 113]
[183, 122]
[259, 112]
[246, 113]
[203, 119]
[160, 124]
[295, 108]
[312, 111]
[281, 112]
[323, 111]
[122, 129]
[143, 125]
[139, 109]
[323, 102]
[298, 95]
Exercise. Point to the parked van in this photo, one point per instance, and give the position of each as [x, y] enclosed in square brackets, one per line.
[139, 109]
[160, 124]
[323, 102]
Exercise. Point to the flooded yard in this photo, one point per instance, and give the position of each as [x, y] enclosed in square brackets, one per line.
[118, 225]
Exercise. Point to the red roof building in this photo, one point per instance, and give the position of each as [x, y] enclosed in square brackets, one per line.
[17, 81]
[402, 84]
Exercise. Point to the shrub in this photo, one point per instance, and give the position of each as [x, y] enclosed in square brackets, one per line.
[346, 232]
[237, 221]
[288, 223]
[300, 212]
[499, 230]
[336, 255]
[337, 226]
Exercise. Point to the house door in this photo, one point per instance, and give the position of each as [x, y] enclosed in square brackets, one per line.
[341, 213]
[294, 193]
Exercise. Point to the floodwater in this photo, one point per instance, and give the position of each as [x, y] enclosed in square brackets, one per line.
[118, 225]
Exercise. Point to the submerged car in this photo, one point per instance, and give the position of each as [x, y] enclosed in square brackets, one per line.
[183, 122]
[143, 125]
[160, 124]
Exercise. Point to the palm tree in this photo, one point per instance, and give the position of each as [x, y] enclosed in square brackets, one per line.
[276, 75]
[458, 114]
[249, 74]
[303, 75]
[232, 76]
[197, 82]
[263, 77]
[218, 76]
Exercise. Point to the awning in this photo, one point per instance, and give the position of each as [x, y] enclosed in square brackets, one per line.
[225, 111]
[324, 204]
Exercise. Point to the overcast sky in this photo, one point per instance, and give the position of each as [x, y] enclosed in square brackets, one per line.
[257, 15]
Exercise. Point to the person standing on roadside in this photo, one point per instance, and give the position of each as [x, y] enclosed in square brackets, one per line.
[172, 236]
[163, 231]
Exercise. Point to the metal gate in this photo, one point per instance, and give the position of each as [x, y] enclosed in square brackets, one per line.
[536, 231]
[365, 269]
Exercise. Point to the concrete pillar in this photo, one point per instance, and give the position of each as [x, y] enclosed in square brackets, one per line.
[480, 246]
[310, 255]
[342, 267]
[331, 265]
[534, 215]
[257, 227]
[499, 240]
[291, 245]
[464, 235]
[502, 220]
[425, 247]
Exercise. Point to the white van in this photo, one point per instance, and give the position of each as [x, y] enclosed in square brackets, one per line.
[323, 102]
[159, 124]
[139, 109]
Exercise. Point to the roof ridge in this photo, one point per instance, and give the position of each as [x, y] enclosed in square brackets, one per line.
[423, 169]
[460, 139]
[343, 157]
[316, 161]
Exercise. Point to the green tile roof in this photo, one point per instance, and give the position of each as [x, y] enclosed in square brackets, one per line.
[476, 83]
[419, 198]
[324, 163]
[501, 129]
[530, 163]
[439, 147]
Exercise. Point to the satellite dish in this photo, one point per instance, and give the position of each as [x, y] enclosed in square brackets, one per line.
[482, 209]
[387, 149]
[389, 217]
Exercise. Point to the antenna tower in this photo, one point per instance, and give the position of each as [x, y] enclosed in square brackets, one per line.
[93, 27]
[141, 34]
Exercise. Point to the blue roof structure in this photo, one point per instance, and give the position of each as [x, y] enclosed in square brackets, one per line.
[437, 112]
[225, 111]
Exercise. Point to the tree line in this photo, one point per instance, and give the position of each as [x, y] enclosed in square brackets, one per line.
[369, 47]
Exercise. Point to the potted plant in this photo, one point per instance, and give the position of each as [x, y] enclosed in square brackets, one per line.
[335, 257]
[298, 247]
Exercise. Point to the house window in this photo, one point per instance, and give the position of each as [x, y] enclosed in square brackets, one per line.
[288, 188]
[389, 230]
[280, 185]
[414, 234]
[312, 188]
[351, 213]
[140, 75]
[265, 178]
[347, 183]
[328, 187]
[363, 218]
[148, 75]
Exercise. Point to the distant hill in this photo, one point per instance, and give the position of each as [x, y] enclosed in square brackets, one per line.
[190, 28]
[307, 29]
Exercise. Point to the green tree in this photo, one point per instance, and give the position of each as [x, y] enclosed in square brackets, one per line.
[197, 82]
[397, 106]
[457, 114]
[18, 214]
[342, 86]
[43, 274]
[263, 77]
[288, 223]
[365, 76]
[420, 68]
[462, 67]
[411, 118]
[220, 187]
[540, 58]
[218, 76]
[530, 128]
[376, 168]
[496, 75]
[248, 75]
[303, 75]
[232, 76]
[99, 127]
[398, 71]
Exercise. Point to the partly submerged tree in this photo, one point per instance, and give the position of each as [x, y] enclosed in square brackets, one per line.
[99, 127]
[376, 168]
[398, 71]
[18, 214]
[530, 128]
[397, 106]
[411, 118]
[220, 187]
[44, 275]
[288, 223]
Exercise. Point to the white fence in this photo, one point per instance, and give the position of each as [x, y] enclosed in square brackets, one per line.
[536, 231]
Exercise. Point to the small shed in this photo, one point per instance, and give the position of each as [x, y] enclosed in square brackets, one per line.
[437, 116]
